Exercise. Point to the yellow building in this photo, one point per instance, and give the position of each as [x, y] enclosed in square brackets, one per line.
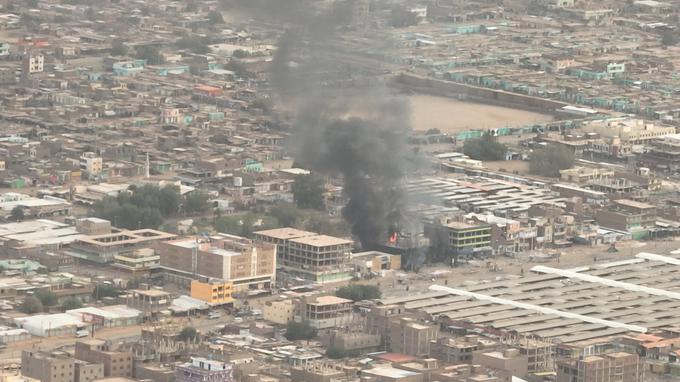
[214, 292]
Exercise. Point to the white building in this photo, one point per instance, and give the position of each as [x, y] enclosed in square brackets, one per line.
[107, 316]
[91, 164]
[34, 63]
[51, 325]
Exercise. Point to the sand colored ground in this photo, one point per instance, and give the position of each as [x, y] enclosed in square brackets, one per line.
[450, 115]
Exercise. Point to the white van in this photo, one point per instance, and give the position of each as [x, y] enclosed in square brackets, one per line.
[82, 333]
[213, 315]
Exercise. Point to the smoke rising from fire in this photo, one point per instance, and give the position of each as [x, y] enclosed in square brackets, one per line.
[340, 127]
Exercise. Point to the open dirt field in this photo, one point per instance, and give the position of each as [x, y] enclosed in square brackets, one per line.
[450, 115]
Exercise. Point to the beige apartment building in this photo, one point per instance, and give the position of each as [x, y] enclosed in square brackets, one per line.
[244, 263]
[318, 258]
[325, 312]
[408, 336]
[621, 367]
[510, 360]
[88, 372]
[280, 238]
[116, 363]
[48, 367]
[279, 312]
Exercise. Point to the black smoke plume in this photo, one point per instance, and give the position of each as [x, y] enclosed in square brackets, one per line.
[340, 127]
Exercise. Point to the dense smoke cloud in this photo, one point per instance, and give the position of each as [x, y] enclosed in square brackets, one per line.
[357, 132]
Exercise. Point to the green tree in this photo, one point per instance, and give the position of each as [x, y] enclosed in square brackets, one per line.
[90, 13]
[229, 224]
[308, 191]
[669, 37]
[336, 352]
[46, 297]
[17, 213]
[188, 334]
[299, 331]
[151, 54]
[135, 282]
[191, 7]
[169, 200]
[215, 17]
[146, 207]
[240, 53]
[358, 292]
[485, 148]
[401, 17]
[118, 48]
[197, 202]
[262, 104]
[193, 44]
[245, 224]
[239, 69]
[31, 305]
[287, 214]
[105, 290]
[72, 303]
[548, 161]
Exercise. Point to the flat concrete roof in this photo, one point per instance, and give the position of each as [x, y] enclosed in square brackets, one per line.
[328, 300]
[286, 233]
[321, 241]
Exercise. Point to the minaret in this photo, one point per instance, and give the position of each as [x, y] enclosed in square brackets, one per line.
[147, 166]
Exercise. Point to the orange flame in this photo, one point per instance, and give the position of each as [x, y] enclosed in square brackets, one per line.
[393, 238]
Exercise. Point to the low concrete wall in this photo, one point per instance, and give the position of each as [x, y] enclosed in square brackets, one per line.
[475, 93]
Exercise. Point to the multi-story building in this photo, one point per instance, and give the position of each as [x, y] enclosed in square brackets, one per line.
[105, 248]
[509, 360]
[378, 320]
[171, 116]
[620, 366]
[324, 312]
[319, 258]
[629, 130]
[91, 165]
[116, 363]
[33, 63]
[48, 367]
[581, 174]
[204, 370]
[279, 312]
[88, 372]
[280, 238]
[232, 259]
[141, 261]
[664, 153]
[460, 349]
[407, 336]
[150, 301]
[629, 216]
[214, 292]
[461, 239]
